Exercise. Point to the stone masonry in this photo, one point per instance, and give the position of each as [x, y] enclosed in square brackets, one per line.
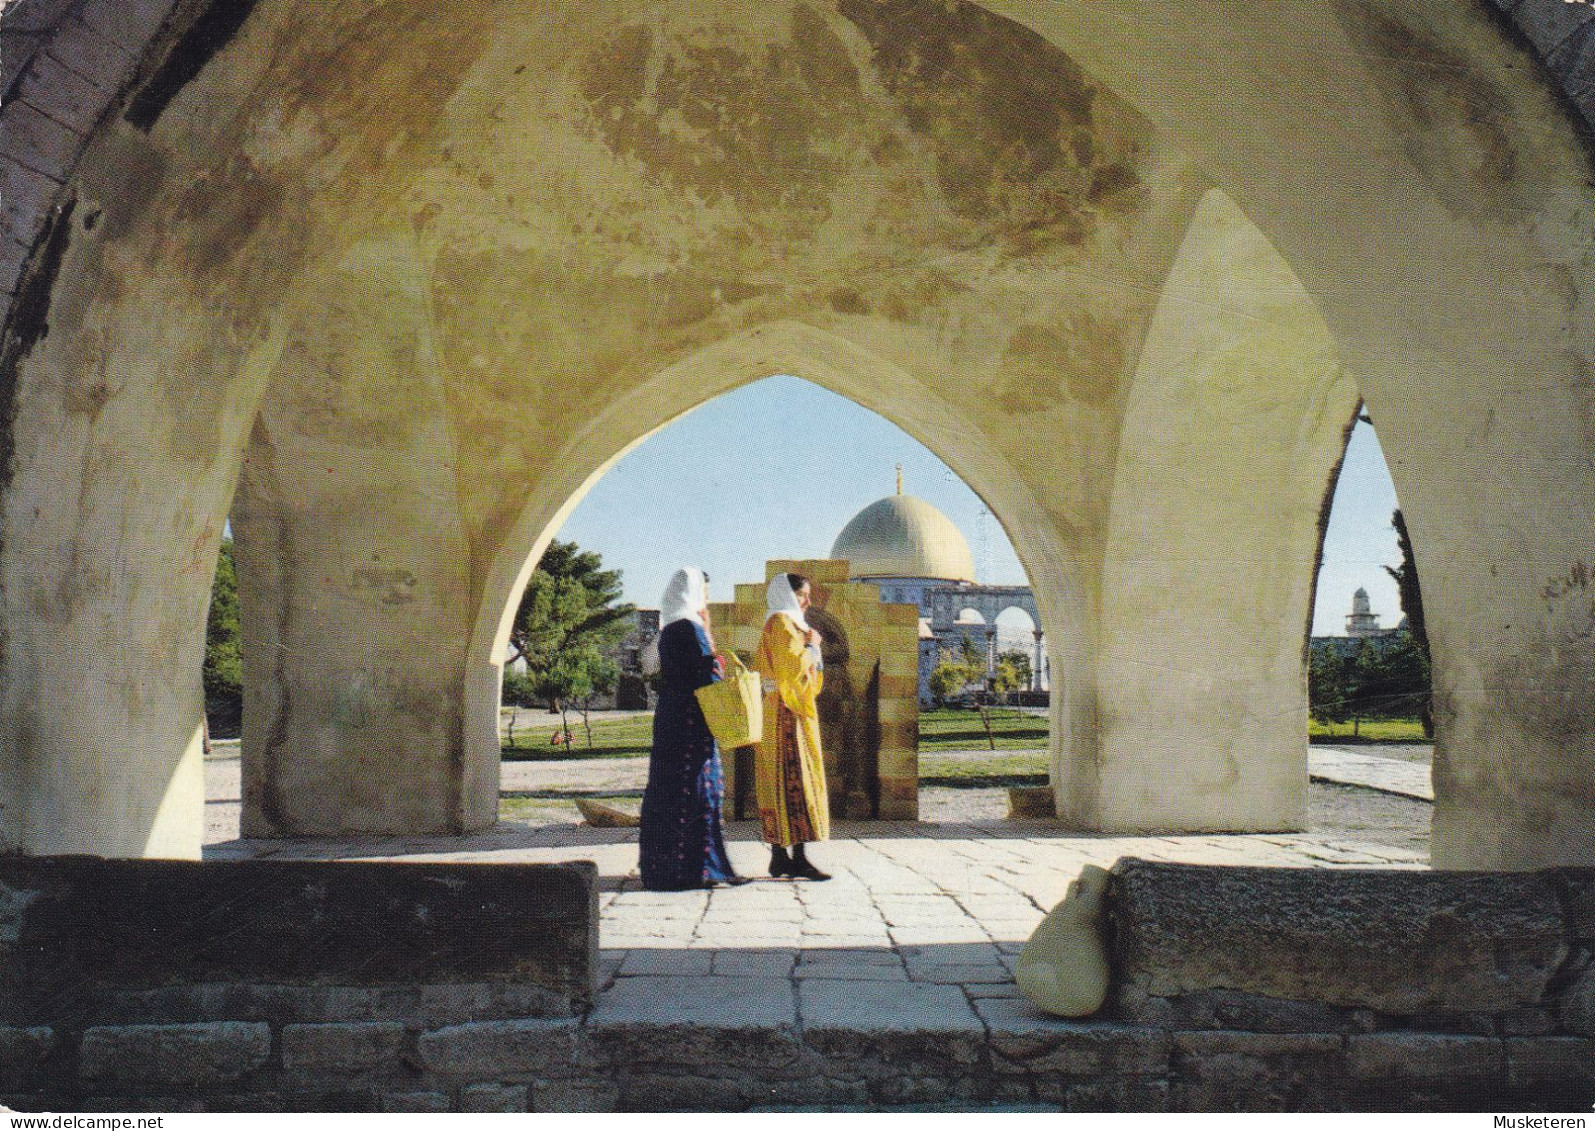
[766, 1015]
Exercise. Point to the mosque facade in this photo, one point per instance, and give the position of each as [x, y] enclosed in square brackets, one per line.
[913, 554]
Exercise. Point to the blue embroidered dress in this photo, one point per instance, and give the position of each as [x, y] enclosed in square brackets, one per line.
[681, 842]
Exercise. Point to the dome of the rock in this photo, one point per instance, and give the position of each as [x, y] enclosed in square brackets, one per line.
[901, 536]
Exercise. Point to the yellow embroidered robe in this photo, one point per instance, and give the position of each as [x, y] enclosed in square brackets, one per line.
[789, 770]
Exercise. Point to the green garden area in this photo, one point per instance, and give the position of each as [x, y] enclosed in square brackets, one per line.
[630, 735]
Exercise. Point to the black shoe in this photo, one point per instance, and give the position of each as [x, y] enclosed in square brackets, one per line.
[803, 870]
[781, 867]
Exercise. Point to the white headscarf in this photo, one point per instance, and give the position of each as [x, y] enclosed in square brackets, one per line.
[684, 598]
[779, 598]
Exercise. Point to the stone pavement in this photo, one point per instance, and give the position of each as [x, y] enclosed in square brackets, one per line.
[1367, 767]
[921, 921]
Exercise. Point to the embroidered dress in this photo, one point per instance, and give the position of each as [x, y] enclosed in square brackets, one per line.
[681, 843]
[789, 769]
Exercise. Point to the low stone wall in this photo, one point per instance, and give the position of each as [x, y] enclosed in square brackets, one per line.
[259, 984]
[1236, 989]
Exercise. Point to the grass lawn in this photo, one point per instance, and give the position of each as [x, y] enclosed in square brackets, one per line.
[548, 809]
[1370, 730]
[983, 770]
[629, 737]
[952, 729]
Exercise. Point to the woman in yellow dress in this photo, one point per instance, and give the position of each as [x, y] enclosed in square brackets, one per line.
[789, 770]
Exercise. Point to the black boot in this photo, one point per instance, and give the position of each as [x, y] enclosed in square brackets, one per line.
[780, 862]
[802, 869]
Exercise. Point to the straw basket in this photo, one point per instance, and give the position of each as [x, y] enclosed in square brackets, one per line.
[734, 707]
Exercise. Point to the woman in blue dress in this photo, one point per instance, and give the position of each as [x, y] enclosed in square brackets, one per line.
[682, 844]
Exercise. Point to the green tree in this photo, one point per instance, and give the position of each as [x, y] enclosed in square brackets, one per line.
[1396, 680]
[1328, 686]
[1019, 670]
[568, 622]
[223, 673]
[1416, 667]
[953, 672]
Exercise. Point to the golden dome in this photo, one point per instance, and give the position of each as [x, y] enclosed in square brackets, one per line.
[901, 536]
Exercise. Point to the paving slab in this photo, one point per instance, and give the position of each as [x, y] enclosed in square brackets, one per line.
[902, 1006]
[716, 1001]
[1373, 771]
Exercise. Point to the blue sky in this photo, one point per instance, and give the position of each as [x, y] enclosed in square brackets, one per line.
[716, 489]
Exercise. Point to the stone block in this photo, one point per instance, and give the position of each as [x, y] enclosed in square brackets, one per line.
[192, 1055]
[588, 1094]
[1401, 942]
[342, 1048]
[25, 201]
[1558, 1065]
[1023, 1039]
[23, 1052]
[1577, 886]
[1202, 1043]
[767, 1052]
[715, 1002]
[1476, 1024]
[17, 50]
[1432, 1059]
[127, 23]
[873, 1007]
[1578, 1005]
[902, 686]
[1217, 1071]
[542, 1048]
[334, 1101]
[1229, 1009]
[89, 54]
[36, 15]
[493, 1097]
[645, 1091]
[1110, 1094]
[1548, 26]
[63, 94]
[414, 1102]
[182, 1104]
[103, 926]
[252, 1102]
[899, 799]
[898, 711]
[1528, 1021]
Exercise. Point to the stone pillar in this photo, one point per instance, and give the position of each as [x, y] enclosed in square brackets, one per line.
[991, 654]
[354, 578]
[1238, 419]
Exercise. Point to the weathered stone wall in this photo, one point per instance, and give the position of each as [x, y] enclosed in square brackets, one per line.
[1275, 989]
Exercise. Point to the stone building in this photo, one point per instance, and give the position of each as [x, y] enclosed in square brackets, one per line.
[869, 709]
[1362, 622]
[391, 290]
[1362, 627]
[913, 553]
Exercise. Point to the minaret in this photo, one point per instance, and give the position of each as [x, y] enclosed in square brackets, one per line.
[1362, 620]
[899, 479]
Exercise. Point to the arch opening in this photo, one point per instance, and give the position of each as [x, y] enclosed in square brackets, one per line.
[784, 502]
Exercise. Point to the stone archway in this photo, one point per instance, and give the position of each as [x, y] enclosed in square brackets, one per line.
[570, 236]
